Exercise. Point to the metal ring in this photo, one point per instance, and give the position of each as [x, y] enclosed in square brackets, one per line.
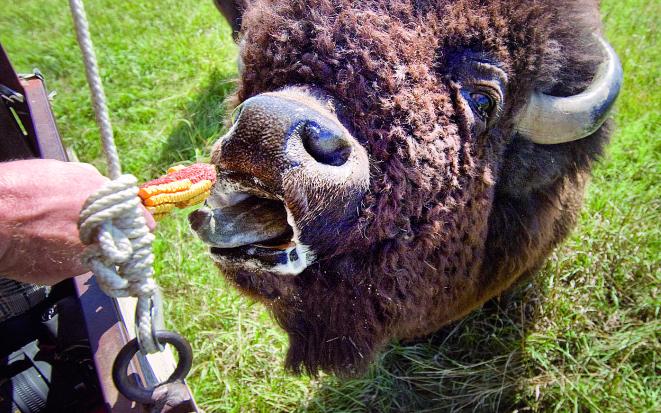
[136, 392]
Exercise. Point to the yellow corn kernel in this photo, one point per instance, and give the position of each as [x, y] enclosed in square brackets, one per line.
[194, 190]
[170, 187]
[160, 209]
[200, 188]
[175, 168]
[194, 200]
[158, 217]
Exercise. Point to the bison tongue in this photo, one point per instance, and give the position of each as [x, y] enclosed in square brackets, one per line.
[251, 221]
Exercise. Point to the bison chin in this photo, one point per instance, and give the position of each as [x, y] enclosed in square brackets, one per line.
[333, 324]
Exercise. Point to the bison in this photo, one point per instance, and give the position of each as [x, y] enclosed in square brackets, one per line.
[391, 165]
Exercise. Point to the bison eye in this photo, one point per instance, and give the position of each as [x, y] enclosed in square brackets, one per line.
[482, 103]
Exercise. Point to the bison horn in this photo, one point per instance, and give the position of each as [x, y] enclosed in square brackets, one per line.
[551, 119]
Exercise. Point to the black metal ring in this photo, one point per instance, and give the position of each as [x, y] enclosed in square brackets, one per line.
[134, 391]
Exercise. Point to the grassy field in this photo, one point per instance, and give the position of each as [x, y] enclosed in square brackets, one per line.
[582, 336]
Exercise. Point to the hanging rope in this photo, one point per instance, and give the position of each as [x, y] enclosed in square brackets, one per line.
[96, 87]
[112, 224]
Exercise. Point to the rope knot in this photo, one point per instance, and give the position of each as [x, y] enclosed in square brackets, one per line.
[119, 252]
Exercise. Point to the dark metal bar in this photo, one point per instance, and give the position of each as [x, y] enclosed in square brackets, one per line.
[13, 144]
[48, 139]
[7, 74]
[10, 79]
[107, 336]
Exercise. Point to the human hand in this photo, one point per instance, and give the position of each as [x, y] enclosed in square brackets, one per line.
[40, 201]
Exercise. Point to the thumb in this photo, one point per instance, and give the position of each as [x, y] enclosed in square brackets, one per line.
[151, 223]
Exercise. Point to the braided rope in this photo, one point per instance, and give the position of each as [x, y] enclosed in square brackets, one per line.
[96, 87]
[119, 251]
[111, 223]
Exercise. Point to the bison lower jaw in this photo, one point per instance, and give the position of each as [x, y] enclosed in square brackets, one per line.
[252, 234]
[257, 259]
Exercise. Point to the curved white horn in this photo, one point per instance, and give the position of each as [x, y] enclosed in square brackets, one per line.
[551, 119]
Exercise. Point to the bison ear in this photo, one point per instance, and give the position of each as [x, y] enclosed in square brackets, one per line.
[551, 120]
[233, 12]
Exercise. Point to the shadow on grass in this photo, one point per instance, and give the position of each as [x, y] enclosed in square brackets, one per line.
[473, 365]
[202, 122]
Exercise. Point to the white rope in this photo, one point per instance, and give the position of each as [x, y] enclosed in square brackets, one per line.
[112, 224]
[96, 87]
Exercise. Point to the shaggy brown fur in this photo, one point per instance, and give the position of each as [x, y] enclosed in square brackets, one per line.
[451, 218]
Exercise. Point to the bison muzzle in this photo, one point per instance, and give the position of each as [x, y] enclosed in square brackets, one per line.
[392, 165]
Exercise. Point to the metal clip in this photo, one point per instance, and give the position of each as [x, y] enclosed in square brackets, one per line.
[156, 318]
[157, 322]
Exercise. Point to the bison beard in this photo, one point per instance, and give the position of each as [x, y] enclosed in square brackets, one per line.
[453, 215]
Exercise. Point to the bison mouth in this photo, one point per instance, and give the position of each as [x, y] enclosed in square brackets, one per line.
[251, 232]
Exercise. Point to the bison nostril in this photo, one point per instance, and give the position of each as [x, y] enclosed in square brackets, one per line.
[326, 145]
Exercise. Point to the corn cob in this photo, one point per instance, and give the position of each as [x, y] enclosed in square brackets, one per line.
[176, 197]
[170, 187]
[161, 209]
[180, 187]
[195, 200]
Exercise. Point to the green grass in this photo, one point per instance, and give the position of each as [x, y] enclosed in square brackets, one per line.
[583, 335]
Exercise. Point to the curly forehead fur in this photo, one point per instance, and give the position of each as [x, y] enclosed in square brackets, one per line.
[451, 218]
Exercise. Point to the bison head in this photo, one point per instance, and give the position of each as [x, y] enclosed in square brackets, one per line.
[391, 165]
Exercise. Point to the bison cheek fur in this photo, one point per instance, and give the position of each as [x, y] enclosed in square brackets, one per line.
[450, 220]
